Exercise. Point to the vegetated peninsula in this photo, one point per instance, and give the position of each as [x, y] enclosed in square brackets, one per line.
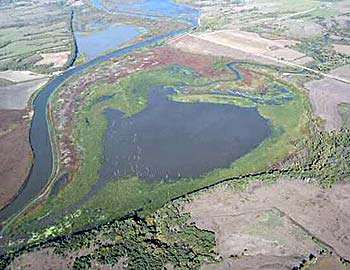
[163, 134]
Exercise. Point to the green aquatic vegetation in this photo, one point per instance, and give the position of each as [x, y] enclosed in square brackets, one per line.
[221, 64]
[288, 120]
[212, 98]
[81, 59]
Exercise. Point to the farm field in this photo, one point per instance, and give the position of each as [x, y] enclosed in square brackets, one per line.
[175, 134]
[15, 92]
[16, 163]
[282, 231]
[327, 95]
[42, 30]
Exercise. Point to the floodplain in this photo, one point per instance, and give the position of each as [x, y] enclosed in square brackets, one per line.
[214, 136]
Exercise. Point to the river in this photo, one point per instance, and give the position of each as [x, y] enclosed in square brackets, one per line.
[41, 171]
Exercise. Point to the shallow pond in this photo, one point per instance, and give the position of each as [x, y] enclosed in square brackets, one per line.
[169, 140]
[96, 43]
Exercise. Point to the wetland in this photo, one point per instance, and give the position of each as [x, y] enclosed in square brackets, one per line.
[169, 140]
[174, 113]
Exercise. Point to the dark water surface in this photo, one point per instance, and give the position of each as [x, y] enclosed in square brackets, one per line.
[168, 139]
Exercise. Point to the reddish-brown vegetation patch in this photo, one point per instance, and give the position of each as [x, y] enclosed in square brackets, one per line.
[248, 77]
[203, 64]
[15, 159]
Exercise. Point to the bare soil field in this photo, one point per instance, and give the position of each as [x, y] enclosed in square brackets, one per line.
[328, 263]
[247, 41]
[58, 60]
[16, 96]
[327, 94]
[17, 76]
[46, 259]
[345, 49]
[193, 44]
[43, 259]
[304, 61]
[239, 45]
[286, 54]
[15, 164]
[274, 226]
[302, 29]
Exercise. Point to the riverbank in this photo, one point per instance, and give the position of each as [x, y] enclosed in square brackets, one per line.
[30, 104]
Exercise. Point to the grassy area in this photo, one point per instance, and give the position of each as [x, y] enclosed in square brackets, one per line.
[344, 110]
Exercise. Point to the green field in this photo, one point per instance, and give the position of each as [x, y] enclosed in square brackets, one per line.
[28, 29]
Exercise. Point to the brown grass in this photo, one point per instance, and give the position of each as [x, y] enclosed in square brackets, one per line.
[57, 59]
[275, 223]
[15, 158]
[345, 49]
[327, 94]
